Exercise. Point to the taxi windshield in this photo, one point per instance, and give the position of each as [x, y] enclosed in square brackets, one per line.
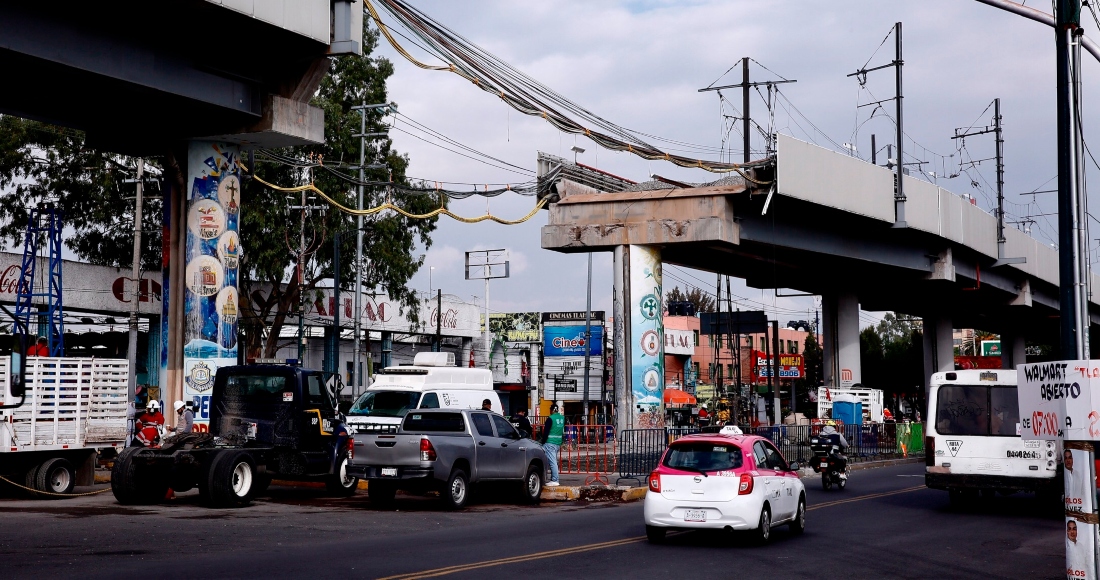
[384, 404]
[703, 456]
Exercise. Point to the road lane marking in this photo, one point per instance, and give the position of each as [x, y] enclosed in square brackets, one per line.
[514, 559]
[600, 546]
[863, 497]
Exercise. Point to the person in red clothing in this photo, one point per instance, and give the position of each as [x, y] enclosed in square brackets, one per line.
[39, 349]
[149, 426]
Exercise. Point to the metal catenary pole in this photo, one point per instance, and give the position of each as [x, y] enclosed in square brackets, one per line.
[357, 323]
[587, 337]
[777, 410]
[135, 292]
[899, 196]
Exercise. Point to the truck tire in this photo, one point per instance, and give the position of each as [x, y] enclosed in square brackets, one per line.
[340, 483]
[232, 474]
[132, 486]
[457, 491]
[32, 475]
[55, 476]
[381, 492]
[531, 487]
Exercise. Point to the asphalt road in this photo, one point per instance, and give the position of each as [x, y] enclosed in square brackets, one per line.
[886, 524]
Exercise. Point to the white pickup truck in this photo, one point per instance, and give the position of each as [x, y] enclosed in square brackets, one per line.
[74, 408]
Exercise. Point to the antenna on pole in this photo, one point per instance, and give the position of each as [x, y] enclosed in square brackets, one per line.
[746, 85]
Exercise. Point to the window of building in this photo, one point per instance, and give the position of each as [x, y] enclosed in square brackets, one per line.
[794, 347]
[695, 366]
[729, 371]
[749, 338]
[696, 332]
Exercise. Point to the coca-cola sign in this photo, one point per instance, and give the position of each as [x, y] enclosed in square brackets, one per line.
[85, 287]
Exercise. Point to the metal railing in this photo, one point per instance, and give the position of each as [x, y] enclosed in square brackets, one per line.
[639, 450]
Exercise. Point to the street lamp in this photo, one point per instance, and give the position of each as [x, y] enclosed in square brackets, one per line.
[430, 270]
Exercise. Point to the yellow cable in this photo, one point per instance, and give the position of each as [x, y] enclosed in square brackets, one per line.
[373, 210]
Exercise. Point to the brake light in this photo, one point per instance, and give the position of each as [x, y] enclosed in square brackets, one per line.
[929, 450]
[745, 488]
[655, 482]
[427, 451]
[351, 448]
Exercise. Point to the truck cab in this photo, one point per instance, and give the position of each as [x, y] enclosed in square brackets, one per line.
[265, 421]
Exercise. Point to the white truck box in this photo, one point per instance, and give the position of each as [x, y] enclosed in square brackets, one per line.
[73, 407]
[870, 398]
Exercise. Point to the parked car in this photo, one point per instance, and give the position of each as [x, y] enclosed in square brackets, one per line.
[717, 481]
[448, 451]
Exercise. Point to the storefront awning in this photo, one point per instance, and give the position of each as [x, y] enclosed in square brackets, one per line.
[678, 398]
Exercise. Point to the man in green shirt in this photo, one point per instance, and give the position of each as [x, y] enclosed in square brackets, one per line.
[552, 432]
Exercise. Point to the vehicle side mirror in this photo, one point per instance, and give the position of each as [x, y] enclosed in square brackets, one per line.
[18, 381]
[795, 466]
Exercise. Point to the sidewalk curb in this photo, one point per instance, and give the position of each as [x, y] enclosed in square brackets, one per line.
[605, 493]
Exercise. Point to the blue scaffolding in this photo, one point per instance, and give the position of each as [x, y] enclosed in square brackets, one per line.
[44, 221]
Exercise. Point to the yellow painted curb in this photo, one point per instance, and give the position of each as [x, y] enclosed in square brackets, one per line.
[634, 494]
[561, 493]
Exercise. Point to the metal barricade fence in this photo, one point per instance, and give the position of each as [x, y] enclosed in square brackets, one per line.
[867, 442]
[639, 451]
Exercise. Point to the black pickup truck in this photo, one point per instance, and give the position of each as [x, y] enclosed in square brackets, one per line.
[265, 421]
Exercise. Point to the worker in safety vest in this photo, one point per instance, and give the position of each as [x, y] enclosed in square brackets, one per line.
[552, 432]
[149, 426]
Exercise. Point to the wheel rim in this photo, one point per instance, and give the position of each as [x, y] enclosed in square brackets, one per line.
[242, 479]
[801, 514]
[344, 479]
[765, 525]
[534, 485]
[59, 480]
[458, 490]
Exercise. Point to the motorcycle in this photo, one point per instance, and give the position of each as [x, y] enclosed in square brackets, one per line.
[829, 462]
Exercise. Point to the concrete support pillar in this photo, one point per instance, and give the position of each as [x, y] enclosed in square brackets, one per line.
[939, 348]
[1013, 350]
[840, 331]
[464, 353]
[624, 417]
[202, 251]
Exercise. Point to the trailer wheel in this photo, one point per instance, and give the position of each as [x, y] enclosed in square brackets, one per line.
[134, 486]
[232, 474]
[340, 483]
[55, 476]
[30, 480]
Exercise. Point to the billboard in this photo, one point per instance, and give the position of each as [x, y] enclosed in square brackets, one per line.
[791, 366]
[565, 378]
[991, 348]
[681, 342]
[515, 326]
[569, 341]
[1056, 399]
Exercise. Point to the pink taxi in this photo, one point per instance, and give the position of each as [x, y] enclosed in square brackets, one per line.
[720, 481]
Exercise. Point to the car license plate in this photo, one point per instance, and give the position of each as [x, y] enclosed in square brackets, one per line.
[695, 515]
[389, 472]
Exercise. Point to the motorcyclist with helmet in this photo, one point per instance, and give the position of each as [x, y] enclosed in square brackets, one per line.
[837, 439]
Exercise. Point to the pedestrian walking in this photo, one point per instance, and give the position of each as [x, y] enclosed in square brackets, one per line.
[552, 432]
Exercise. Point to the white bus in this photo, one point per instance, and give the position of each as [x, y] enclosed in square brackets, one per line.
[972, 439]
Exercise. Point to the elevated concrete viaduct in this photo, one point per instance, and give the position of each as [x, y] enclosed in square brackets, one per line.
[827, 229]
[195, 83]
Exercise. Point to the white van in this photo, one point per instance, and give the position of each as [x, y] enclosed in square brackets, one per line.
[432, 382]
[972, 438]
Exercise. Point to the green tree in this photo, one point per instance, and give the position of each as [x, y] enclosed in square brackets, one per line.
[702, 301]
[892, 355]
[41, 163]
[270, 289]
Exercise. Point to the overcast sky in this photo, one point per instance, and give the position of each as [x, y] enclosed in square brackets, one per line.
[639, 64]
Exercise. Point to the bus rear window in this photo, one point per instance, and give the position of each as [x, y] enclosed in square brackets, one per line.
[977, 410]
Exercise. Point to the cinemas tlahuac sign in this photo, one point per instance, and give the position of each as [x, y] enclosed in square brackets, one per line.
[551, 317]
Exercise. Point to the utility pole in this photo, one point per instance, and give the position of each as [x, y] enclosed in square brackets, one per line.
[587, 337]
[746, 86]
[438, 345]
[1072, 273]
[357, 323]
[302, 253]
[995, 128]
[861, 76]
[135, 293]
[777, 406]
